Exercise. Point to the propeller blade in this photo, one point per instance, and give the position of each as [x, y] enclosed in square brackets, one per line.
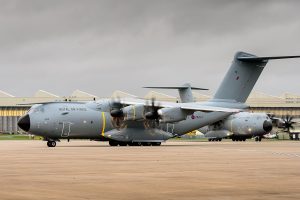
[288, 123]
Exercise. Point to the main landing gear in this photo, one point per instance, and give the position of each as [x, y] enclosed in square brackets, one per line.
[258, 139]
[238, 139]
[116, 143]
[51, 144]
[215, 139]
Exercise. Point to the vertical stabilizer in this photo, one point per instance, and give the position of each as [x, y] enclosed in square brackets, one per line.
[186, 94]
[241, 78]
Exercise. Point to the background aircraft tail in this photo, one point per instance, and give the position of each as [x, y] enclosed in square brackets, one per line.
[242, 76]
[185, 92]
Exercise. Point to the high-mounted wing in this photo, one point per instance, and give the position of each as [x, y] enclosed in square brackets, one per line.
[48, 102]
[183, 106]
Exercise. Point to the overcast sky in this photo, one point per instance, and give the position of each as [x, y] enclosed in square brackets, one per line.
[101, 46]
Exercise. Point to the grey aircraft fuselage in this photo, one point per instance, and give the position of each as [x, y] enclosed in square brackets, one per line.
[92, 120]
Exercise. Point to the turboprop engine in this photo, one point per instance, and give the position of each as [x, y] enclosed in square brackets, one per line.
[128, 113]
[133, 112]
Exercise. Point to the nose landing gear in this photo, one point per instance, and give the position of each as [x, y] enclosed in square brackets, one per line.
[51, 144]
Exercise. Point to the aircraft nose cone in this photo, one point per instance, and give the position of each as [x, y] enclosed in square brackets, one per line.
[24, 123]
[267, 126]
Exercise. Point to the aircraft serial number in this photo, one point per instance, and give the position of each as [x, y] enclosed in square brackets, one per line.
[72, 109]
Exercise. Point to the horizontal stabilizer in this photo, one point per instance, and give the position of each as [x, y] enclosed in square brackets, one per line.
[262, 59]
[178, 88]
[185, 91]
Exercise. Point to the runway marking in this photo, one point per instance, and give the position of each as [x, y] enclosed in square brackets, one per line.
[290, 155]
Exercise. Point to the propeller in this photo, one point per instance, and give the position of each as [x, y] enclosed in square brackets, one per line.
[117, 113]
[271, 116]
[287, 124]
[275, 120]
[151, 114]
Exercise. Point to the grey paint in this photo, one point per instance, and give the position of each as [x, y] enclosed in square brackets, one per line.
[240, 79]
[51, 121]
[243, 125]
[186, 94]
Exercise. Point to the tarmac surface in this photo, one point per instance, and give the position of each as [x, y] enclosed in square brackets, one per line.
[175, 170]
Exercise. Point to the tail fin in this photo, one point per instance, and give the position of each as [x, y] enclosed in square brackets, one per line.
[185, 92]
[242, 76]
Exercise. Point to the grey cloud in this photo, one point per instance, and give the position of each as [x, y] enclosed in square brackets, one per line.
[100, 46]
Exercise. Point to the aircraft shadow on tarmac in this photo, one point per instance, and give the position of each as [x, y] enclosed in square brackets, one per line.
[162, 146]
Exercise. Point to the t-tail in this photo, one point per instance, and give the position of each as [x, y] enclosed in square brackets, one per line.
[242, 76]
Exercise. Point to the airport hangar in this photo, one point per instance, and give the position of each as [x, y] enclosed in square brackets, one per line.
[11, 108]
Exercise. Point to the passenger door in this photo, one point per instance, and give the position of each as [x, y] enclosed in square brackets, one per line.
[65, 128]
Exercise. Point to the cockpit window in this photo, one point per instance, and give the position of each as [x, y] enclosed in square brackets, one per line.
[36, 109]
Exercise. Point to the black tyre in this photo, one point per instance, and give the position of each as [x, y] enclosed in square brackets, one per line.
[131, 144]
[136, 144]
[123, 144]
[113, 143]
[53, 144]
[156, 143]
[48, 144]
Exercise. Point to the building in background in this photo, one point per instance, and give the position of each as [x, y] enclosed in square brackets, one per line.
[11, 108]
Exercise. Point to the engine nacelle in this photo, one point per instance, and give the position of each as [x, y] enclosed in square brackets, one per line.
[133, 112]
[248, 124]
[117, 113]
[170, 115]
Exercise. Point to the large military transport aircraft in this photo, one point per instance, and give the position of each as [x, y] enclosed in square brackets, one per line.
[141, 122]
[237, 126]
